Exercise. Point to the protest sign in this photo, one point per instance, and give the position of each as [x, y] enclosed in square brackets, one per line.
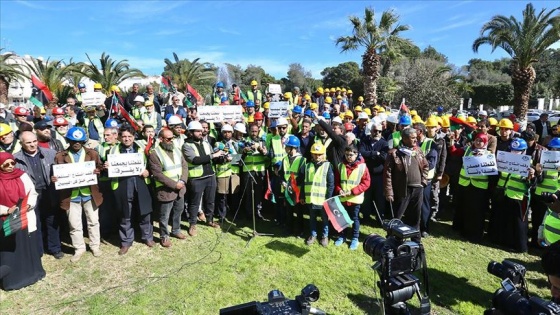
[274, 89]
[480, 165]
[277, 109]
[74, 175]
[550, 160]
[220, 113]
[129, 164]
[513, 163]
[93, 99]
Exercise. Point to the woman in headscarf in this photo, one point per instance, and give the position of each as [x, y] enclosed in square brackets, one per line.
[20, 250]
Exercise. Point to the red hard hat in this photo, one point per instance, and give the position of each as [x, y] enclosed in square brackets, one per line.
[57, 111]
[259, 116]
[21, 111]
[60, 122]
[348, 126]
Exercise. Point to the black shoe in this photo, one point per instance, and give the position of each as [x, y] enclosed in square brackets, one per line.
[58, 255]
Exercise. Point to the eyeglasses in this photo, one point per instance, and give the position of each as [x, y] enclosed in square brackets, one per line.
[282, 127]
[12, 163]
[167, 139]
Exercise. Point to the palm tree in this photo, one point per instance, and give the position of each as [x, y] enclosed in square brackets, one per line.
[378, 40]
[110, 71]
[53, 74]
[201, 76]
[524, 41]
[9, 71]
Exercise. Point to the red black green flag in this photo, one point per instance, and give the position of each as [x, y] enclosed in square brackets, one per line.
[337, 214]
[17, 220]
[40, 93]
[292, 191]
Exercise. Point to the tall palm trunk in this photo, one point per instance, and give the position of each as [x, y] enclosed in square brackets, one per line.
[4, 86]
[522, 81]
[370, 66]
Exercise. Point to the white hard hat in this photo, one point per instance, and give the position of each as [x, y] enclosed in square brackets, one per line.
[393, 118]
[281, 121]
[337, 120]
[382, 117]
[174, 120]
[227, 127]
[2, 105]
[240, 127]
[482, 113]
[195, 125]
[139, 98]
[362, 115]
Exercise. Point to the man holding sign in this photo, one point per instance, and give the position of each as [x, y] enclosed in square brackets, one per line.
[86, 198]
[129, 185]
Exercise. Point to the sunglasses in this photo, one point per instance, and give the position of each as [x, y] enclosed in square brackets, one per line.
[168, 139]
[284, 127]
[12, 163]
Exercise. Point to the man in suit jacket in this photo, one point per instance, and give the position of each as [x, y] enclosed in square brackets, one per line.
[542, 126]
[176, 108]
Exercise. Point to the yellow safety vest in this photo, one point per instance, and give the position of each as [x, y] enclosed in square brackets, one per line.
[196, 171]
[98, 125]
[278, 149]
[171, 168]
[79, 191]
[551, 231]
[116, 150]
[320, 140]
[395, 139]
[549, 184]
[477, 181]
[426, 147]
[292, 168]
[254, 162]
[226, 169]
[102, 150]
[150, 120]
[179, 141]
[516, 187]
[316, 183]
[349, 183]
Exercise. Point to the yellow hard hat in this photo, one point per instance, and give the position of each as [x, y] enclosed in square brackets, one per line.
[266, 105]
[5, 129]
[149, 103]
[440, 120]
[506, 124]
[445, 122]
[337, 89]
[366, 110]
[360, 98]
[254, 82]
[349, 114]
[251, 119]
[327, 90]
[339, 97]
[471, 120]
[417, 119]
[320, 90]
[288, 95]
[343, 90]
[381, 109]
[413, 113]
[318, 148]
[358, 108]
[307, 97]
[43, 111]
[313, 106]
[328, 100]
[349, 91]
[492, 121]
[97, 86]
[431, 122]
[462, 117]
[115, 88]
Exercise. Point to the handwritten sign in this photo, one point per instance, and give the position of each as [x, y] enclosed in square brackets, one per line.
[274, 89]
[550, 160]
[480, 165]
[129, 164]
[277, 109]
[74, 175]
[220, 113]
[93, 98]
[513, 163]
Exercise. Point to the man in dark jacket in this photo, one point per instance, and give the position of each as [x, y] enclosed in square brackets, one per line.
[129, 100]
[45, 138]
[542, 127]
[373, 149]
[332, 138]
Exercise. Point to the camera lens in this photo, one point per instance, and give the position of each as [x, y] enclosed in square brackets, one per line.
[511, 302]
[373, 246]
[401, 295]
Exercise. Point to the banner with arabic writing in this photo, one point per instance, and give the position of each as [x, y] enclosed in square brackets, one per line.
[128, 164]
[482, 165]
[550, 160]
[74, 175]
[513, 163]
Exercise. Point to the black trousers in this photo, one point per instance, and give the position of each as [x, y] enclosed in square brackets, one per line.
[409, 207]
[48, 222]
[259, 188]
[201, 191]
[538, 211]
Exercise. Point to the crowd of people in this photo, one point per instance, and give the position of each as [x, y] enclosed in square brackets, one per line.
[381, 164]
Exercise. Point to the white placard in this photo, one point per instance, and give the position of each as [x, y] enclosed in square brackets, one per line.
[278, 109]
[274, 89]
[550, 160]
[74, 175]
[513, 163]
[220, 113]
[128, 164]
[93, 98]
[480, 165]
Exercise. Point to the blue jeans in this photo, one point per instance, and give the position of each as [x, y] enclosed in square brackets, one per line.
[354, 213]
[313, 212]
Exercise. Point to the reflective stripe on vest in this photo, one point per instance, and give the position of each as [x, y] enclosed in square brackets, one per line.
[150, 120]
[79, 191]
[349, 183]
[316, 183]
[98, 125]
[277, 149]
[196, 171]
[171, 169]
[426, 147]
[551, 230]
[516, 187]
[477, 181]
[292, 168]
[325, 144]
[549, 184]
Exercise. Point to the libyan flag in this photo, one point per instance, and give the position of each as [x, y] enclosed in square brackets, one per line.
[292, 191]
[166, 84]
[40, 93]
[337, 214]
[17, 220]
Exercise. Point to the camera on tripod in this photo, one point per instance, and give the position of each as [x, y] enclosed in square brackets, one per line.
[397, 256]
[278, 304]
[513, 297]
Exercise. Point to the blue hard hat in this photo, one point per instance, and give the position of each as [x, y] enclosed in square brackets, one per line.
[220, 84]
[293, 141]
[309, 113]
[326, 115]
[273, 123]
[440, 109]
[554, 143]
[111, 123]
[297, 109]
[224, 99]
[76, 134]
[250, 104]
[81, 85]
[405, 120]
[518, 144]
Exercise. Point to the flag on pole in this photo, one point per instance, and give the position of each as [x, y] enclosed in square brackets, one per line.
[193, 92]
[40, 93]
[292, 191]
[337, 214]
[17, 220]
[268, 195]
[166, 84]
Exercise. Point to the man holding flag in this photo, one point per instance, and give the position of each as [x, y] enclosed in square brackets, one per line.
[292, 164]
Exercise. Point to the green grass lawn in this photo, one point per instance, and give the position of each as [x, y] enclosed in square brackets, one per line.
[213, 270]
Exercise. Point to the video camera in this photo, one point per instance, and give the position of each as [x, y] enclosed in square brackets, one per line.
[397, 256]
[278, 304]
[513, 297]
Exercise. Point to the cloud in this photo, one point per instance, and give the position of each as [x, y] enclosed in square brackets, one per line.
[460, 24]
[32, 5]
[139, 11]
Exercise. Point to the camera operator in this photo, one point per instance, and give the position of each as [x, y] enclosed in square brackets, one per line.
[551, 265]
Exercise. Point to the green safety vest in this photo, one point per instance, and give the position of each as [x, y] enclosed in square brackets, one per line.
[136, 112]
[320, 140]
[62, 139]
[426, 147]
[292, 168]
[226, 169]
[549, 184]
[102, 150]
[170, 168]
[551, 230]
[255, 162]
[179, 141]
[150, 120]
[79, 191]
[316, 183]
[17, 147]
[477, 181]
[516, 187]
[116, 150]
[251, 95]
[277, 149]
[98, 125]
[349, 183]
[196, 171]
[396, 138]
